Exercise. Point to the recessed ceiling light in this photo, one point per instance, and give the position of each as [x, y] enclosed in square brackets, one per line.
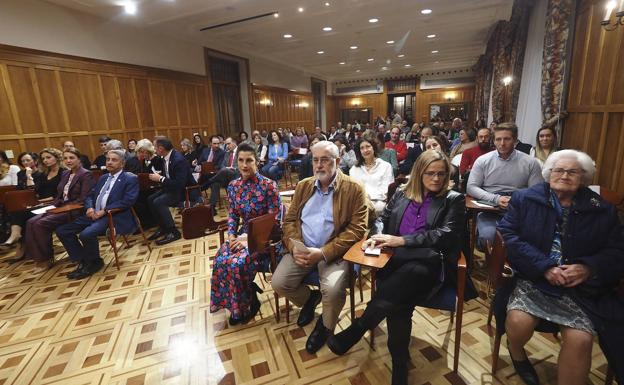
[287, 36]
[407, 65]
[342, 63]
[373, 20]
[390, 42]
[384, 68]
[436, 61]
[370, 59]
[320, 52]
[357, 70]
[435, 51]
[426, 11]
[401, 55]
[130, 7]
[327, 29]
[431, 36]
[276, 15]
[300, 9]
[326, 4]
[353, 47]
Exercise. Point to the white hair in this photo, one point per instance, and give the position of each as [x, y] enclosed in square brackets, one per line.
[584, 160]
[121, 153]
[145, 145]
[114, 144]
[329, 146]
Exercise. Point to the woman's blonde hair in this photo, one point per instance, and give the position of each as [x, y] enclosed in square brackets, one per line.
[58, 154]
[414, 189]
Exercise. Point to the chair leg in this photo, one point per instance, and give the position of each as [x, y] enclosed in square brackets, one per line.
[360, 286]
[287, 311]
[113, 243]
[277, 309]
[136, 219]
[125, 237]
[459, 314]
[351, 290]
[497, 342]
[490, 313]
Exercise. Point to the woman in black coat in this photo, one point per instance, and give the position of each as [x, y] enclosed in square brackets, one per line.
[423, 223]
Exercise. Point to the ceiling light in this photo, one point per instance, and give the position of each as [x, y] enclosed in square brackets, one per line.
[407, 65]
[384, 68]
[390, 42]
[320, 52]
[426, 11]
[342, 63]
[373, 20]
[357, 70]
[287, 36]
[436, 61]
[353, 47]
[370, 59]
[327, 29]
[401, 55]
[431, 36]
[326, 4]
[292, 90]
[276, 15]
[300, 9]
[130, 7]
[435, 51]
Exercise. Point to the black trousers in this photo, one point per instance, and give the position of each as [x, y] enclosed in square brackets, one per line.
[159, 203]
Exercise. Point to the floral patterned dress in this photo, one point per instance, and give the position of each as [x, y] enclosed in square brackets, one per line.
[233, 272]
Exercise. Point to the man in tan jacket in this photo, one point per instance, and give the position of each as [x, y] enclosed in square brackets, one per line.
[328, 214]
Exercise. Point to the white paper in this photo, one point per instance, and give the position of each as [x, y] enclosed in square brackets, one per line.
[288, 193]
[478, 204]
[372, 251]
[595, 188]
[299, 247]
[43, 209]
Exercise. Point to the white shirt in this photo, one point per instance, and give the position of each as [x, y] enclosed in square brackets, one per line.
[375, 180]
[10, 179]
[166, 158]
[109, 189]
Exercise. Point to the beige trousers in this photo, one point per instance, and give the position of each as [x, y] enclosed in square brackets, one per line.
[334, 278]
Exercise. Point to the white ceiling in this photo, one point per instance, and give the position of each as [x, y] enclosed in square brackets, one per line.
[460, 26]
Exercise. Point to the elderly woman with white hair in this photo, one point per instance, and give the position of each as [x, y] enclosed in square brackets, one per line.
[566, 248]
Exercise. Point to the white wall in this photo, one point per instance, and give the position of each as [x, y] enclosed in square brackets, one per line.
[39, 25]
[267, 73]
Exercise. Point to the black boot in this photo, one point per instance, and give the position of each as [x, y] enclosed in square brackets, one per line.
[341, 343]
[255, 304]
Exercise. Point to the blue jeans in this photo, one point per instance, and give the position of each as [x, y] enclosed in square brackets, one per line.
[486, 228]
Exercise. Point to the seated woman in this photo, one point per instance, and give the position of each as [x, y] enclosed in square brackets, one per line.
[44, 183]
[423, 223]
[305, 169]
[435, 142]
[150, 163]
[261, 149]
[467, 140]
[375, 174]
[232, 285]
[545, 144]
[347, 155]
[8, 171]
[277, 153]
[566, 248]
[74, 186]
[187, 150]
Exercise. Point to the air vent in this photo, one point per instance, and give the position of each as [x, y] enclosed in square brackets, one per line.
[370, 88]
[426, 84]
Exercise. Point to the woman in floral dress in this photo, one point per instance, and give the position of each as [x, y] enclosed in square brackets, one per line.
[232, 285]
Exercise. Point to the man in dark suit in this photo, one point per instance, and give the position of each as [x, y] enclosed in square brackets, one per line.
[413, 153]
[99, 162]
[228, 171]
[213, 154]
[117, 190]
[175, 176]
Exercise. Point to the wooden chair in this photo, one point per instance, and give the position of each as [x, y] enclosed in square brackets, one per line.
[198, 222]
[112, 233]
[4, 190]
[19, 200]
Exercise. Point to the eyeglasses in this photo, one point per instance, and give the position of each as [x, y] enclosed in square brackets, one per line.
[323, 160]
[433, 174]
[573, 172]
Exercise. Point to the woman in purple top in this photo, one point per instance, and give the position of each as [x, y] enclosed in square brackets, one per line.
[300, 139]
[423, 223]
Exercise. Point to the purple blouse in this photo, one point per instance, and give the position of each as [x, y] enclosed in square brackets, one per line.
[415, 217]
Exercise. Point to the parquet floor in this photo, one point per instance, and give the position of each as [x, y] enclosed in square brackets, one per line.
[149, 323]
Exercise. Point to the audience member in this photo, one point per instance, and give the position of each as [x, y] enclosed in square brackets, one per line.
[74, 186]
[187, 150]
[119, 189]
[373, 173]
[250, 196]
[413, 153]
[131, 163]
[305, 168]
[261, 150]
[8, 171]
[565, 245]
[328, 226]
[347, 155]
[423, 224]
[484, 145]
[131, 151]
[300, 139]
[497, 174]
[227, 172]
[397, 145]
[318, 134]
[100, 161]
[199, 143]
[545, 144]
[277, 153]
[467, 139]
[213, 154]
[69, 145]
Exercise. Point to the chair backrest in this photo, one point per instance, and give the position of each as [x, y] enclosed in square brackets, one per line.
[208, 168]
[197, 221]
[259, 232]
[97, 174]
[19, 200]
[4, 190]
[615, 198]
[495, 260]
[399, 180]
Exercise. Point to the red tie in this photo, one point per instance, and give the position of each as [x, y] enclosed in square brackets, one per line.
[232, 160]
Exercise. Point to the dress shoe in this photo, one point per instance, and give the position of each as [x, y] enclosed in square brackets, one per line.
[318, 337]
[255, 304]
[306, 315]
[88, 270]
[156, 235]
[525, 370]
[73, 273]
[341, 343]
[233, 321]
[170, 237]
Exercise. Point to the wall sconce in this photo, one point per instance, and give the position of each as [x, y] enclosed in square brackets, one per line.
[619, 16]
[507, 80]
[450, 96]
[303, 105]
[356, 102]
[266, 102]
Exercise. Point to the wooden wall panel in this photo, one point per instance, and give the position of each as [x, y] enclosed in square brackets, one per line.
[288, 109]
[47, 98]
[376, 103]
[595, 101]
[331, 113]
[426, 97]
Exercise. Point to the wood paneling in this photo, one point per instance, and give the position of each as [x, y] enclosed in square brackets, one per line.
[426, 97]
[596, 95]
[331, 113]
[278, 107]
[47, 98]
[376, 103]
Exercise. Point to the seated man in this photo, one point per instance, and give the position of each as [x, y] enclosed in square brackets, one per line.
[470, 155]
[99, 162]
[497, 174]
[397, 145]
[116, 190]
[213, 154]
[227, 172]
[176, 175]
[328, 213]
[132, 163]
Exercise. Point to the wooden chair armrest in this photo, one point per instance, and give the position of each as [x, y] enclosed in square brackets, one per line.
[114, 211]
[461, 262]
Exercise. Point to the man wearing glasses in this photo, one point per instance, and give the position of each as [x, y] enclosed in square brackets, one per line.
[328, 214]
[497, 174]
